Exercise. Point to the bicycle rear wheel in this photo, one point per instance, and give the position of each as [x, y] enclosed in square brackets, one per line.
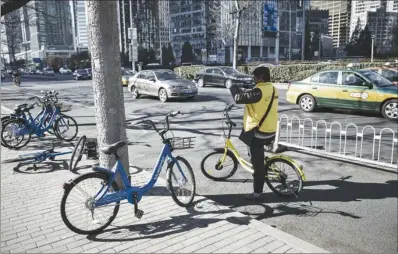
[77, 153]
[283, 177]
[15, 133]
[65, 128]
[181, 182]
[77, 209]
[218, 168]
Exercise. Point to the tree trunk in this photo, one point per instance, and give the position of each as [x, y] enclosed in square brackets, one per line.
[236, 34]
[108, 92]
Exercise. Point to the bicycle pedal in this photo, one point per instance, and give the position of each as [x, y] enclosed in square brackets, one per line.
[139, 213]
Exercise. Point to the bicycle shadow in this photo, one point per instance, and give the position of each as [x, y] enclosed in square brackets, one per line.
[173, 225]
[340, 190]
[42, 167]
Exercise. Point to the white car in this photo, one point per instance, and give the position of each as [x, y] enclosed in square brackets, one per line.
[65, 71]
[48, 72]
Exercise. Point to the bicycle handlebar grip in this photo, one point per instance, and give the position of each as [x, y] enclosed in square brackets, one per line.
[233, 124]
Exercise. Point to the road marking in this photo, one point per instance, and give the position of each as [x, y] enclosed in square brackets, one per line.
[7, 110]
[73, 103]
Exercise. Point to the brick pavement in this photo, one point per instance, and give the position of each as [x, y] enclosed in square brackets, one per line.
[31, 221]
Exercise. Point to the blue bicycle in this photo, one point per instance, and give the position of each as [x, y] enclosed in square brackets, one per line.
[16, 133]
[91, 201]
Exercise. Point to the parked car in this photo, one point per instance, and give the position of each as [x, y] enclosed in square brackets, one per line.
[39, 72]
[162, 83]
[80, 74]
[65, 71]
[223, 76]
[346, 89]
[89, 72]
[48, 72]
[152, 66]
[389, 73]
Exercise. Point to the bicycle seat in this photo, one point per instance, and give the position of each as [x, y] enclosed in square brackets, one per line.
[112, 149]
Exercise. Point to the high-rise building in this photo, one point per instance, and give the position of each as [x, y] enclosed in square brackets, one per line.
[252, 42]
[79, 24]
[46, 30]
[360, 10]
[164, 22]
[188, 24]
[145, 17]
[381, 23]
[339, 19]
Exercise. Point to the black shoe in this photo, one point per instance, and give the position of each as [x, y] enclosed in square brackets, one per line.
[254, 196]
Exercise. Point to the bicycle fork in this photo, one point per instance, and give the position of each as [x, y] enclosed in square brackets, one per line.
[137, 212]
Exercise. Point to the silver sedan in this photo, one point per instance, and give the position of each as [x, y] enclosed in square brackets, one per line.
[164, 84]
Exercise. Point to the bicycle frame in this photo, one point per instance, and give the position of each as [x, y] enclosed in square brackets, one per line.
[38, 128]
[103, 198]
[247, 165]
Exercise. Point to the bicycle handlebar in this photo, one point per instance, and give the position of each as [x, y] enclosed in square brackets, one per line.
[162, 132]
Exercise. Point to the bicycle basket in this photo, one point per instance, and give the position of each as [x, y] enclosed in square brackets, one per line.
[63, 108]
[183, 142]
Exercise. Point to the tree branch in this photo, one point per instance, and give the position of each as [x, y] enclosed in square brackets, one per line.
[12, 5]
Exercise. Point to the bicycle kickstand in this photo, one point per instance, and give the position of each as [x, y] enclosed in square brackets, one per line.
[137, 212]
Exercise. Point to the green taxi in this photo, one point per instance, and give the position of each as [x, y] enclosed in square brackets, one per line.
[346, 89]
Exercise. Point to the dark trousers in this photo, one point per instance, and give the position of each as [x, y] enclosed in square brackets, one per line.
[256, 150]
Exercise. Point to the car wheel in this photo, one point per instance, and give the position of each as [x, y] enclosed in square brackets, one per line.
[390, 110]
[307, 103]
[228, 83]
[134, 92]
[163, 95]
[201, 83]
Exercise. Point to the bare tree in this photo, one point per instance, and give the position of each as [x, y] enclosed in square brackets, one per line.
[226, 19]
[105, 62]
[11, 34]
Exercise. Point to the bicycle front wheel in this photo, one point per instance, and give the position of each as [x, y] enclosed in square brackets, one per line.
[77, 153]
[65, 128]
[218, 167]
[77, 204]
[15, 133]
[283, 177]
[181, 182]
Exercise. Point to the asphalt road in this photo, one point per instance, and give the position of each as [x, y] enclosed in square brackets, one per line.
[343, 207]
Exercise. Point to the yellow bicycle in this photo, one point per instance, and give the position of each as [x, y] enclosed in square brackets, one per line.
[284, 176]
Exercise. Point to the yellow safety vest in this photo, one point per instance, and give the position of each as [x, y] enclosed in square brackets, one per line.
[254, 112]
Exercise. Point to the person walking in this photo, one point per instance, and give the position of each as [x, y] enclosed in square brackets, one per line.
[260, 121]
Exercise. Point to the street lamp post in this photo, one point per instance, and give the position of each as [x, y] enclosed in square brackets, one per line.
[290, 30]
[371, 54]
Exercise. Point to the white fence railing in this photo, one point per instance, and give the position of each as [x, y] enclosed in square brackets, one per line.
[349, 142]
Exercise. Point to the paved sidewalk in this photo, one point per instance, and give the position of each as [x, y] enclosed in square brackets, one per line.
[31, 221]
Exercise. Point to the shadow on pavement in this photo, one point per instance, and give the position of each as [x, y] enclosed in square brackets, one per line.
[166, 227]
[41, 168]
[342, 191]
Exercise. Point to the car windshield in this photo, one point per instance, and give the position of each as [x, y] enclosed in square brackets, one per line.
[167, 75]
[230, 70]
[82, 71]
[375, 78]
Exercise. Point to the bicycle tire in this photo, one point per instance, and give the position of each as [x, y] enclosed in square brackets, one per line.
[4, 120]
[67, 191]
[269, 163]
[18, 121]
[72, 163]
[221, 152]
[19, 159]
[56, 129]
[170, 182]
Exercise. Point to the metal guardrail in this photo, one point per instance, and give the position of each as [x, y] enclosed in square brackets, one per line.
[377, 148]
